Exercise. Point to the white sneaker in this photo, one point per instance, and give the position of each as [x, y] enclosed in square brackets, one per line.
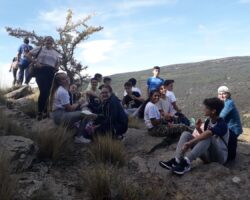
[88, 114]
[81, 139]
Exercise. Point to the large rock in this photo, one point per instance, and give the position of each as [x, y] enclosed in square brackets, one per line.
[21, 92]
[21, 151]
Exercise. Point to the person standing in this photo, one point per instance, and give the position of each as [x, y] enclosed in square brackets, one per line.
[47, 63]
[231, 116]
[14, 68]
[23, 61]
[154, 82]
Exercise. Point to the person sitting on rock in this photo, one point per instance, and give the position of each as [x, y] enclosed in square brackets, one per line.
[132, 101]
[178, 116]
[92, 95]
[106, 81]
[154, 82]
[73, 94]
[134, 88]
[111, 117]
[209, 144]
[164, 104]
[59, 104]
[231, 116]
[156, 124]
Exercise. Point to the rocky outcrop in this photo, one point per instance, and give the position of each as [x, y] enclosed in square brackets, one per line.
[20, 151]
[19, 93]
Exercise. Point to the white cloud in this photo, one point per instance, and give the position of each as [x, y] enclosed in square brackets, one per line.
[127, 5]
[244, 1]
[96, 51]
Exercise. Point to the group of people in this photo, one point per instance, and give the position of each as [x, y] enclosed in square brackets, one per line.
[97, 110]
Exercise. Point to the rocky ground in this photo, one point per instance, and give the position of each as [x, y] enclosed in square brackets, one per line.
[62, 179]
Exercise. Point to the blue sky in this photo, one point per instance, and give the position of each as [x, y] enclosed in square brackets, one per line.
[137, 34]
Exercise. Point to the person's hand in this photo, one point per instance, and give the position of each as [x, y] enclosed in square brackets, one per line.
[167, 116]
[186, 146]
[81, 101]
[198, 123]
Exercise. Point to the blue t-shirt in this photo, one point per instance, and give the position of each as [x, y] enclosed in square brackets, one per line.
[154, 83]
[24, 50]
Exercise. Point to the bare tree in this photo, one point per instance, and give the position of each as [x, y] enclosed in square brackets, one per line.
[70, 35]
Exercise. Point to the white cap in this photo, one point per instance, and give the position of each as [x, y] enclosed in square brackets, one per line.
[223, 89]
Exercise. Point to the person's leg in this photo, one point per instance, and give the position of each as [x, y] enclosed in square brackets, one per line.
[173, 131]
[14, 76]
[27, 77]
[232, 146]
[44, 80]
[20, 74]
[185, 137]
[173, 162]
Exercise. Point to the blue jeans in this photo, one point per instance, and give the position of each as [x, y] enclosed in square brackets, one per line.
[232, 145]
[23, 68]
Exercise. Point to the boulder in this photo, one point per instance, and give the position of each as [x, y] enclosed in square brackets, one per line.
[20, 150]
[21, 92]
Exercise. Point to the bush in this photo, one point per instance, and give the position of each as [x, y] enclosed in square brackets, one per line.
[8, 184]
[107, 150]
[104, 182]
[53, 143]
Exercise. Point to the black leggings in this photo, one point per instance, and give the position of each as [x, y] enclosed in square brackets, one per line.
[44, 78]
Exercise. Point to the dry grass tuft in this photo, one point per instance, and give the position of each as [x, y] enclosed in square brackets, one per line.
[107, 150]
[105, 182]
[97, 182]
[53, 143]
[134, 122]
[8, 184]
[9, 127]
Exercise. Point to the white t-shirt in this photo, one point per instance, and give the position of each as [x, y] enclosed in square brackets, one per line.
[165, 105]
[61, 98]
[151, 111]
[172, 99]
[134, 89]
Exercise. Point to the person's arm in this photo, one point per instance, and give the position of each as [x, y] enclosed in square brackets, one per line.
[228, 107]
[11, 67]
[73, 107]
[138, 98]
[176, 107]
[204, 135]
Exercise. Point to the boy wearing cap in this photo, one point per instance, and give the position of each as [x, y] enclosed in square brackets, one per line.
[231, 116]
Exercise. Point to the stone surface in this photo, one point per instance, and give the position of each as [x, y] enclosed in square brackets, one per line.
[21, 92]
[21, 151]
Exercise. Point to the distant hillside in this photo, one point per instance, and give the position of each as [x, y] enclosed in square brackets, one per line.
[196, 81]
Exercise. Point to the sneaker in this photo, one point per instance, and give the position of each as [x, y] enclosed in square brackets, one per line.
[88, 114]
[168, 164]
[81, 139]
[182, 167]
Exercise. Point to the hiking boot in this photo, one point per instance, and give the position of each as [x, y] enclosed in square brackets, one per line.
[168, 164]
[82, 140]
[182, 167]
[39, 116]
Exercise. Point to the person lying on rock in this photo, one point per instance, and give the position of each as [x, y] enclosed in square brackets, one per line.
[209, 144]
[59, 104]
[157, 124]
[231, 116]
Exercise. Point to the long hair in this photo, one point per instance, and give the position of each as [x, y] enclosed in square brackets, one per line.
[142, 108]
[55, 85]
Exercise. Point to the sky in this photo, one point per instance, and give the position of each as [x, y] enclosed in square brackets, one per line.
[137, 34]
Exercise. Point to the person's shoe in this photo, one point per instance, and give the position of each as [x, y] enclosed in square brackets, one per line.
[81, 139]
[182, 167]
[39, 116]
[168, 164]
[87, 114]
[119, 137]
